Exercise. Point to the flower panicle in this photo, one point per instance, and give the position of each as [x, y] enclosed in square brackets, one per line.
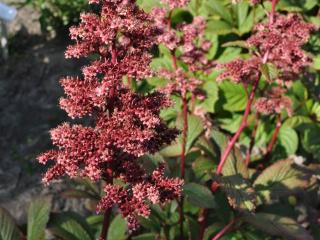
[125, 125]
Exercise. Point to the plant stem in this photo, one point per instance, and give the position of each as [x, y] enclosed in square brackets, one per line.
[106, 224]
[225, 229]
[107, 213]
[202, 222]
[184, 136]
[243, 125]
[273, 11]
[252, 140]
[273, 138]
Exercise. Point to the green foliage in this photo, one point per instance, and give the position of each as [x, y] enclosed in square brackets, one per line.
[58, 14]
[38, 217]
[8, 228]
[70, 226]
[199, 195]
[118, 229]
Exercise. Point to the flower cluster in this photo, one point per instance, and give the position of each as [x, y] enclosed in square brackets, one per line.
[274, 101]
[126, 124]
[190, 39]
[282, 42]
[133, 202]
[175, 3]
[280, 45]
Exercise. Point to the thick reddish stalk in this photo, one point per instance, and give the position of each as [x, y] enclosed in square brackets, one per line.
[225, 229]
[252, 140]
[107, 213]
[243, 125]
[106, 224]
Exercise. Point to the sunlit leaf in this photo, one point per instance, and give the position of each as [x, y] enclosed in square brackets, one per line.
[282, 178]
[117, 229]
[278, 226]
[235, 96]
[38, 217]
[70, 226]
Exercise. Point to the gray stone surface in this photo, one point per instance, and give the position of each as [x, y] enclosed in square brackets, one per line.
[29, 93]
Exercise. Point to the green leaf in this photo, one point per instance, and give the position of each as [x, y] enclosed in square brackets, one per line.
[311, 140]
[238, 43]
[221, 10]
[235, 96]
[282, 178]
[218, 27]
[75, 193]
[38, 216]
[89, 185]
[211, 230]
[288, 139]
[118, 229]
[235, 163]
[240, 194]
[8, 228]
[95, 219]
[195, 128]
[278, 226]
[296, 121]
[316, 62]
[201, 167]
[145, 236]
[242, 12]
[234, 182]
[230, 53]
[147, 5]
[199, 195]
[212, 93]
[231, 124]
[70, 226]
[247, 25]
[180, 16]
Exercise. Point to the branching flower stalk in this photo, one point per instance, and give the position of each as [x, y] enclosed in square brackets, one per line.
[225, 229]
[252, 139]
[182, 82]
[273, 138]
[242, 126]
[278, 43]
[126, 125]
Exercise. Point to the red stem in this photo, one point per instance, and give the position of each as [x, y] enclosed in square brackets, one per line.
[184, 136]
[243, 125]
[107, 214]
[273, 11]
[225, 229]
[273, 138]
[202, 222]
[114, 58]
[106, 224]
[252, 141]
[174, 60]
